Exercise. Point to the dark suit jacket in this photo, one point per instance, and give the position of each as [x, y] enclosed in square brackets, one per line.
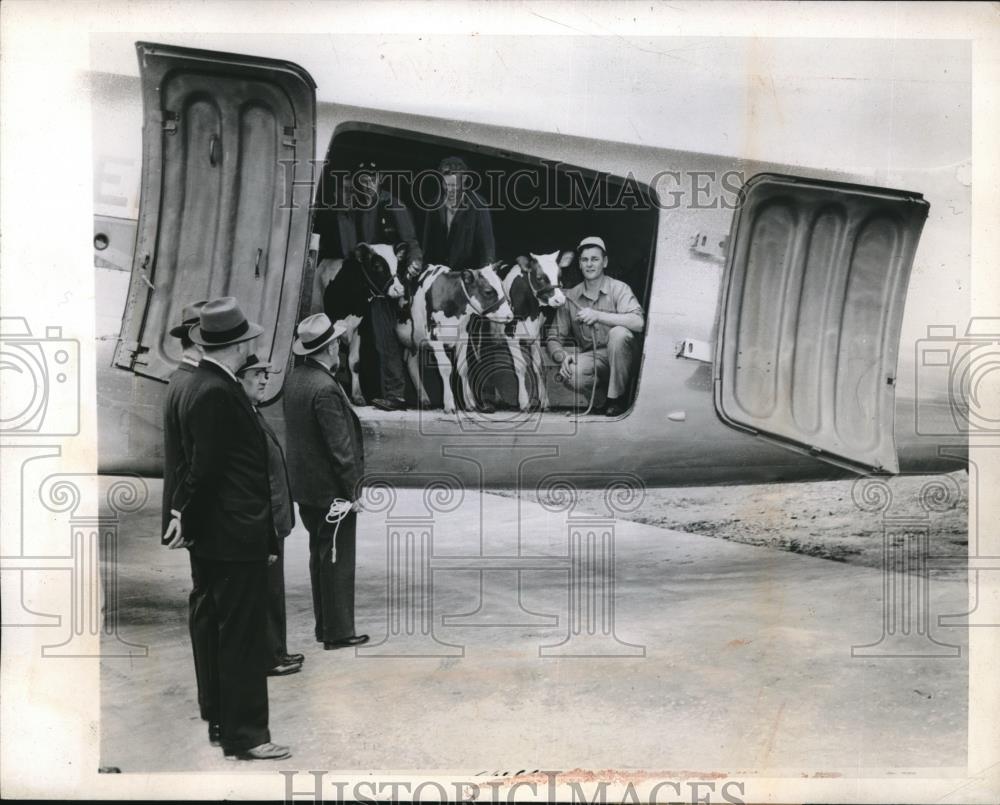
[222, 490]
[468, 244]
[281, 489]
[173, 449]
[387, 222]
[326, 454]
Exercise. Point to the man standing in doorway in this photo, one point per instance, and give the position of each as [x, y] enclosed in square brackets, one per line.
[459, 234]
[372, 215]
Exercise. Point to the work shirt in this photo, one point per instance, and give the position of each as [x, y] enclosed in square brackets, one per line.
[612, 296]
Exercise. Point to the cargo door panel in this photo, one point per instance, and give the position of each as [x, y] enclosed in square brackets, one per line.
[227, 149]
[811, 313]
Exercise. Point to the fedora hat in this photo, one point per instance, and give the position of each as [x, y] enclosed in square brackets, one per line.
[315, 332]
[189, 317]
[253, 362]
[221, 322]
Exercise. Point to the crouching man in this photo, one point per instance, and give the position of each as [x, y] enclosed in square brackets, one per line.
[593, 337]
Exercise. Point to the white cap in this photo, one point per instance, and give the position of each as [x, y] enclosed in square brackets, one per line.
[593, 240]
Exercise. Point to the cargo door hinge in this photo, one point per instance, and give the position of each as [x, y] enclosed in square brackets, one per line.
[136, 353]
[169, 121]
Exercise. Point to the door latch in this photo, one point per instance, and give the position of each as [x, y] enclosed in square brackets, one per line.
[695, 350]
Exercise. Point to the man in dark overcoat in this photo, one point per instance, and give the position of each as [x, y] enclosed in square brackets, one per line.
[220, 510]
[325, 465]
[459, 234]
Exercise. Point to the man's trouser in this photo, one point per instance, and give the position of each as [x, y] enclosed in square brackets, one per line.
[276, 624]
[228, 631]
[392, 378]
[610, 367]
[332, 582]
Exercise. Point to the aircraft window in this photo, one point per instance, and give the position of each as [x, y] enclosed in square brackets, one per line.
[534, 207]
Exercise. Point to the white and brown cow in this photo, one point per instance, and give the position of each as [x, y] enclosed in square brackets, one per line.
[531, 285]
[441, 303]
[368, 271]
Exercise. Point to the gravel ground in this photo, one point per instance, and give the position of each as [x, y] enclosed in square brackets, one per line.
[817, 519]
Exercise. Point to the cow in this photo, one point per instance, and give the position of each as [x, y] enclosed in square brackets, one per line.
[368, 271]
[530, 285]
[441, 304]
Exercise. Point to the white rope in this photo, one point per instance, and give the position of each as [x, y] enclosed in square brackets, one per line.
[339, 509]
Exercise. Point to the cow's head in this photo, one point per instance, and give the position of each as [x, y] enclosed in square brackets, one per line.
[484, 289]
[543, 276]
[378, 264]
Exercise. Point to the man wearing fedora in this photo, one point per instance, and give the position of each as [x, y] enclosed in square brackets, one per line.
[173, 450]
[325, 463]
[221, 511]
[253, 376]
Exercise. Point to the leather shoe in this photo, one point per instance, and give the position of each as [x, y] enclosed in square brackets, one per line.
[268, 751]
[285, 668]
[389, 403]
[286, 658]
[614, 408]
[215, 733]
[347, 642]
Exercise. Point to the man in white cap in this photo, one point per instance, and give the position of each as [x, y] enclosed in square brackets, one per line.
[593, 335]
[325, 464]
[221, 511]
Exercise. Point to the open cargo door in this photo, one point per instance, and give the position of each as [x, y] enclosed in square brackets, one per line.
[811, 313]
[227, 149]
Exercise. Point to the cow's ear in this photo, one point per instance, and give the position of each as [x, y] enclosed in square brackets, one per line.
[401, 249]
[362, 253]
[468, 278]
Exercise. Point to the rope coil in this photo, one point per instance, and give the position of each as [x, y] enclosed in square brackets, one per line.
[338, 511]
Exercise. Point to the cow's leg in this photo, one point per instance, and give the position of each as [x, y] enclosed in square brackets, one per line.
[354, 364]
[520, 369]
[539, 367]
[462, 356]
[413, 366]
[444, 369]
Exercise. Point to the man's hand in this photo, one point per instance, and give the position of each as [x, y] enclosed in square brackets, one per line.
[356, 506]
[173, 538]
[272, 558]
[566, 368]
[588, 316]
[413, 269]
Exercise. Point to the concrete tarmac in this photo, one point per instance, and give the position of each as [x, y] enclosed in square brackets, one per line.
[705, 656]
